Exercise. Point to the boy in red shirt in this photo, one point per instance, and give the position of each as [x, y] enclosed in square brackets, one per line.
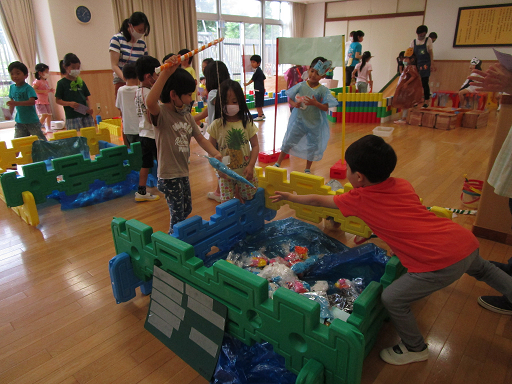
[436, 251]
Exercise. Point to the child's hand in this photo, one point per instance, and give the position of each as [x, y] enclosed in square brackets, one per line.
[12, 103]
[496, 79]
[249, 173]
[52, 90]
[90, 111]
[310, 101]
[73, 104]
[174, 63]
[280, 196]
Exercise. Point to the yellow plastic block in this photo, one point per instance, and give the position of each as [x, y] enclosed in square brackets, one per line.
[113, 125]
[270, 95]
[275, 179]
[28, 211]
[64, 134]
[93, 137]
[20, 153]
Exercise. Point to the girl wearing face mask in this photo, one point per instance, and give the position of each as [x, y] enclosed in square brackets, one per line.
[127, 45]
[42, 88]
[235, 135]
[73, 95]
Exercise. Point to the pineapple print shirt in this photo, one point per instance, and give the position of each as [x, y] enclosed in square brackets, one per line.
[233, 141]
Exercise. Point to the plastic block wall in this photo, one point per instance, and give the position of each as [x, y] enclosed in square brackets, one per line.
[232, 222]
[111, 166]
[276, 179]
[19, 153]
[288, 321]
[93, 137]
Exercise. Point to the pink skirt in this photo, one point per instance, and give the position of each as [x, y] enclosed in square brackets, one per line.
[43, 109]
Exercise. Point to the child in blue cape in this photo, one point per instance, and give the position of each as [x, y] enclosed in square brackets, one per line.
[308, 128]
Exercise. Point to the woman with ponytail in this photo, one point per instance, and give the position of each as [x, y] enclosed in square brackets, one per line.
[127, 45]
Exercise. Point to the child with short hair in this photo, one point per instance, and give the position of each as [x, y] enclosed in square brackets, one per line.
[235, 135]
[72, 93]
[308, 129]
[23, 97]
[409, 90]
[363, 73]
[145, 67]
[258, 78]
[125, 102]
[436, 251]
[174, 127]
[187, 66]
[43, 90]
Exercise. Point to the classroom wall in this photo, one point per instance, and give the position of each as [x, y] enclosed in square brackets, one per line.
[386, 37]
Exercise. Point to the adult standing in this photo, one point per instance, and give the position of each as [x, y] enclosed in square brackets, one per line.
[355, 53]
[424, 51]
[127, 45]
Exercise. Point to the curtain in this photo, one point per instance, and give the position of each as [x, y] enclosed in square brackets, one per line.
[19, 22]
[297, 19]
[173, 24]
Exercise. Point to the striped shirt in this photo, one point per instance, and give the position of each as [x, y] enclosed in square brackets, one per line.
[129, 53]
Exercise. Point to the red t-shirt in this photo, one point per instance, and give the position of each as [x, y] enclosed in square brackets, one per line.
[422, 241]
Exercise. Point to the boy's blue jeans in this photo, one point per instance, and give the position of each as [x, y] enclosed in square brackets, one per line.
[411, 287]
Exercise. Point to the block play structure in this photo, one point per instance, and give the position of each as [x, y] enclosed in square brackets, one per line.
[290, 322]
[70, 174]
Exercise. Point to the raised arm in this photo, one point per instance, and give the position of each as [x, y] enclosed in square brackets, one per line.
[314, 200]
[154, 94]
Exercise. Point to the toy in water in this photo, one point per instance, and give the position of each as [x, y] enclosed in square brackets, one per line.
[325, 313]
[259, 261]
[218, 165]
[188, 55]
[301, 267]
[292, 258]
[299, 286]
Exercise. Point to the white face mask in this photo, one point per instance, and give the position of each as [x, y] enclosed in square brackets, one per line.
[74, 72]
[45, 76]
[136, 35]
[232, 109]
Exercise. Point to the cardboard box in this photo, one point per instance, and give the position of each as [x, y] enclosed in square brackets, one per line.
[475, 119]
[429, 118]
[446, 121]
[414, 117]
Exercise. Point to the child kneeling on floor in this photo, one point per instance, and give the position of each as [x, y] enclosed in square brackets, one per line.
[436, 251]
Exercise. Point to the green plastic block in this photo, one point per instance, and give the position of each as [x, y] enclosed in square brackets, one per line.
[289, 321]
[71, 174]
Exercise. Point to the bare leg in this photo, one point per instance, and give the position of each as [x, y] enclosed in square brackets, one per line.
[308, 164]
[143, 176]
[260, 111]
[281, 157]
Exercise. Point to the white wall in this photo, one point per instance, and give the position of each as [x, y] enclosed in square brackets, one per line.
[314, 20]
[88, 41]
[441, 17]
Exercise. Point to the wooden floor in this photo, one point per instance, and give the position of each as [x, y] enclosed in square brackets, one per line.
[59, 322]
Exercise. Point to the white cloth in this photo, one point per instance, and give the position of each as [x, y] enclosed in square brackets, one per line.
[126, 103]
[146, 129]
[210, 103]
[501, 173]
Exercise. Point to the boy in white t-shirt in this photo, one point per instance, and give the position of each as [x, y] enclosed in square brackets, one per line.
[126, 103]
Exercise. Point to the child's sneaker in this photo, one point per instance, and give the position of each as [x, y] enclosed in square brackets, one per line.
[308, 171]
[276, 165]
[498, 304]
[147, 197]
[399, 355]
[213, 196]
[259, 118]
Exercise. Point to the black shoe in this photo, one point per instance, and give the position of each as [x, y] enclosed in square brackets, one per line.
[498, 304]
[507, 268]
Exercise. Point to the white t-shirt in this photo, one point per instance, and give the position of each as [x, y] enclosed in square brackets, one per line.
[126, 103]
[362, 75]
[211, 105]
[146, 129]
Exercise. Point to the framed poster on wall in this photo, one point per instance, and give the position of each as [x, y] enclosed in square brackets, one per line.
[484, 26]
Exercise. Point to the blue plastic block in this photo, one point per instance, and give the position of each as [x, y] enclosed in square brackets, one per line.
[200, 104]
[153, 176]
[105, 144]
[231, 223]
[124, 280]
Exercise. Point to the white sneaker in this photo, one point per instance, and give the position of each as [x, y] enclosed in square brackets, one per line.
[147, 197]
[259, 118]
[399, 355]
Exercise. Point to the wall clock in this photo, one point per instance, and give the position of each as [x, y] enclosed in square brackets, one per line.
[83, 14]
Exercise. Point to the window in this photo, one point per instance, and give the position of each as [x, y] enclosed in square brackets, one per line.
[249, 8]
[6, 57]
[244, 30]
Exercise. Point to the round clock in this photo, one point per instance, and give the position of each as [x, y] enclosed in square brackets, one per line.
[83, 14]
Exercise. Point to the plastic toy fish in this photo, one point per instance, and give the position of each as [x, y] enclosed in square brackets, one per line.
[229, 172]
[323, 67]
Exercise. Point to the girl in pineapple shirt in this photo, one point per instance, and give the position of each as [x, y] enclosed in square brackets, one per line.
[235, 135]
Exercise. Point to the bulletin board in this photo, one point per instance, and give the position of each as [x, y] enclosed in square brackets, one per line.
[484, 26]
